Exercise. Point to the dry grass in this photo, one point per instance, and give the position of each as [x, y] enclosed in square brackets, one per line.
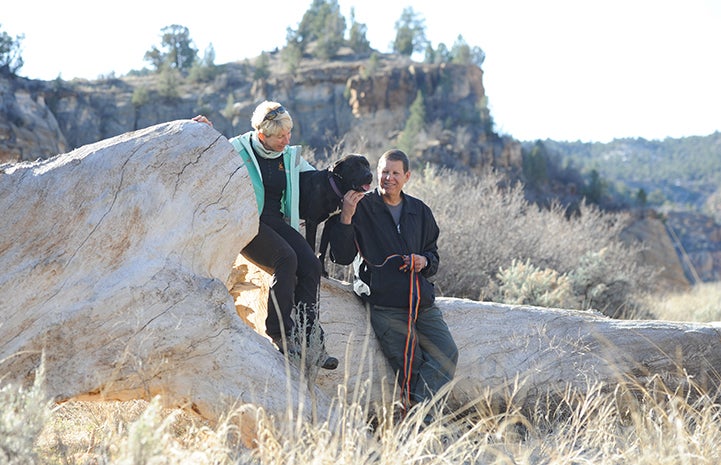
[487, 227]
[628, 424]
[602, 425]
[702, 303]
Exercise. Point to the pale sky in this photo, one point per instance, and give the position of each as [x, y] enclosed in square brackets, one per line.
[560, 69]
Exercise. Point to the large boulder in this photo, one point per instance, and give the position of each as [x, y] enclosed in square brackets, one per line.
[114, 260]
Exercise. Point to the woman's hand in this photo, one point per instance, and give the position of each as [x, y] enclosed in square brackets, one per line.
[203, 119]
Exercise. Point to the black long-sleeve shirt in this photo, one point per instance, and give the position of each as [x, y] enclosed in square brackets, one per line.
[381, 243]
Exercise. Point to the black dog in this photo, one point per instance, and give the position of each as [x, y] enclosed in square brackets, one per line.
[321, 192]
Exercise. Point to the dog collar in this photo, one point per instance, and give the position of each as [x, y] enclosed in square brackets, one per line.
[331, 180]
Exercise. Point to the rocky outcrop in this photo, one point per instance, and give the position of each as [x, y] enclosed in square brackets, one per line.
[657, 251]
[328, 101]
[114, 260]
[697, 239]
[28, 129]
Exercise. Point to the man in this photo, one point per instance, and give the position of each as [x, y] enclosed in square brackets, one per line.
[392, 236]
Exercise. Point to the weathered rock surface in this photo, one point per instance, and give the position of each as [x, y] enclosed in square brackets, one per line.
[539, 349]
[114, 260]
[28, 128]
[659, 251]
[698, 241]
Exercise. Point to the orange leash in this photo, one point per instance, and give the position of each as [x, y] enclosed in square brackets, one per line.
[410, 348]
[414, 301]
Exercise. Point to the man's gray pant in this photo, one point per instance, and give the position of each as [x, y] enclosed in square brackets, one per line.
[435, 354]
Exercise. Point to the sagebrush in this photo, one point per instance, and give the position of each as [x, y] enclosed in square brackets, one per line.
[487, 227]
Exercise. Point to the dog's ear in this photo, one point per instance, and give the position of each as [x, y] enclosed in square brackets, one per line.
[335, 164]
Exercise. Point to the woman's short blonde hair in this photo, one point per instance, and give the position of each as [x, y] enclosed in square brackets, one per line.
[271, 118]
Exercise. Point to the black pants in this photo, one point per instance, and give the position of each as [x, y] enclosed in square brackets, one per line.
[296, 274]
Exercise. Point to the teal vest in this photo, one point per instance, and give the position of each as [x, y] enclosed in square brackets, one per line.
[293, 163]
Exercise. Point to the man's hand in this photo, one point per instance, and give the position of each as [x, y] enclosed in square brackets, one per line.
[350, 201]
[419, 262]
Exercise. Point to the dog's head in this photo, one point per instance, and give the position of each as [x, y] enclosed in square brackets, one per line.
[353, 173]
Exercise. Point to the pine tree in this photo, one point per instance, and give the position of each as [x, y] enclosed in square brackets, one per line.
[415, 124]
[410, 33]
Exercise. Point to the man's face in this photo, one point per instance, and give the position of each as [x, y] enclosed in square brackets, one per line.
[391, 177]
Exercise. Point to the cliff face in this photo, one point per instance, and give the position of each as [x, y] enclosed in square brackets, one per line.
[697, 240]
[332, 103]
[28, 129]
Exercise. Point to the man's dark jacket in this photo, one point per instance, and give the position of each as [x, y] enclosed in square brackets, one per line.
[382, 245]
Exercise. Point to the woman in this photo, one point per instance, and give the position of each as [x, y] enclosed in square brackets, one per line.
[274, 167]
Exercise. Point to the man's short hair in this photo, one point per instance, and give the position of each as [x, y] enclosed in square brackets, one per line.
[397, 155]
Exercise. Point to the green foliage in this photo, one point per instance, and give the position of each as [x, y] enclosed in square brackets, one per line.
[140, 72]
[464, 54]
[371, 67]
[485, 116]
[410, 33]
[594, 190]
[323, 24]
[535, 165]
[357, 39]
[229, 110]
[179, 51]
[332, 39]
[440, 55]
[478, 56]
[525, 284]
[140, 96]
[11, 59]
[204, 70]
[641, 198]
[461, 53]
[291, 56]
[675, 172]
[23, 414]
[262, 67]
[168, 83]
[414, 125]
[429, 54]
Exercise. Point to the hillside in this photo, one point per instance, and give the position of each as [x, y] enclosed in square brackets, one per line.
[678, 178]
[676, 174]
